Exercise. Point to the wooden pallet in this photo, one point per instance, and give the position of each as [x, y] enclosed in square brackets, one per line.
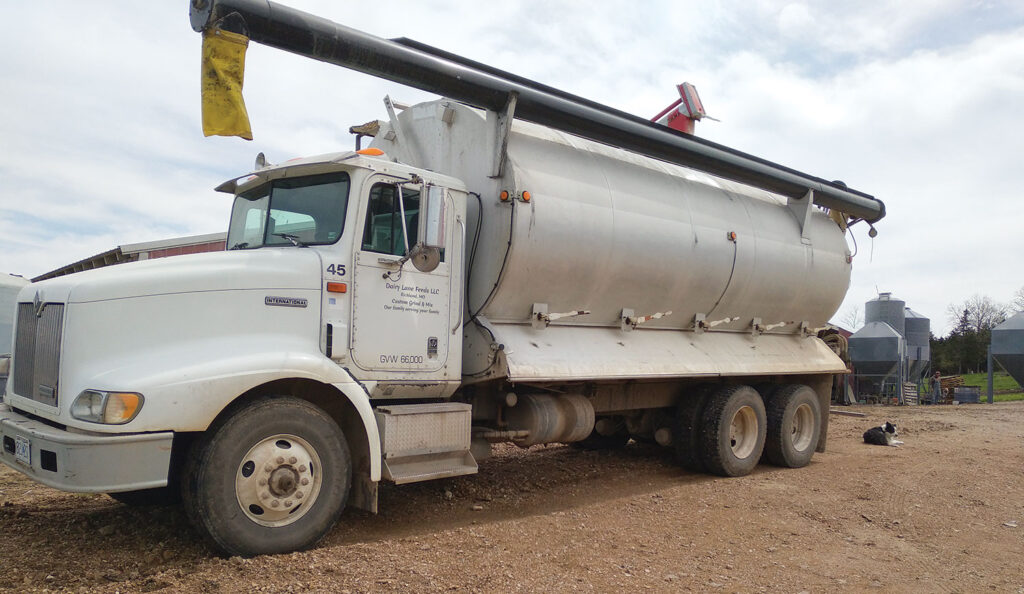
[910, 393]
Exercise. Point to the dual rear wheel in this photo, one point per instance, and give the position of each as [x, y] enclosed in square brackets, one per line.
[726, 431]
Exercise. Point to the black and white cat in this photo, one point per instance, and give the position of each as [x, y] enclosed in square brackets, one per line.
[883, 435]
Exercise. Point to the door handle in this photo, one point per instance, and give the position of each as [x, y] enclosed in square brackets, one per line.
[462, 290]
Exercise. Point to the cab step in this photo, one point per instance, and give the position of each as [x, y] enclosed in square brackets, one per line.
[421, 442]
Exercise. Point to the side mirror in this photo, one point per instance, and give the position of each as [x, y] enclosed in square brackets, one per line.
[426, 254]
[433, 208]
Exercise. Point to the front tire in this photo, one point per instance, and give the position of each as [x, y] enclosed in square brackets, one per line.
[273, 477]
[733, 431]
[794, 425]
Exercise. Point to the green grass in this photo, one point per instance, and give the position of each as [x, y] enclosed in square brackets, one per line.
[1001, 382]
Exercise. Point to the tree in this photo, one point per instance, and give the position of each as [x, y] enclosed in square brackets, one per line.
[851, 318]
[978, 313]
[1017, 301]
[964, 350]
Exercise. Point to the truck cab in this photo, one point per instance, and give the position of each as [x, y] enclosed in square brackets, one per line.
[340, 284]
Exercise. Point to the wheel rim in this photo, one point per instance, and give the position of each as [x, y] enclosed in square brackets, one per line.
[278, 480]
[743, 432]
[803, 428]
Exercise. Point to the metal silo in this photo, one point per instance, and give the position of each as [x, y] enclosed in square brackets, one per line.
[1008, 346]
[887, 309]
[919, 355]
[877, 352]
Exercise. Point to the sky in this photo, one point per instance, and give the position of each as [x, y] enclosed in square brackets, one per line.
[917, 103]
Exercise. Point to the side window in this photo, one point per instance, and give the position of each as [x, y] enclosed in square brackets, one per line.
[383, 230]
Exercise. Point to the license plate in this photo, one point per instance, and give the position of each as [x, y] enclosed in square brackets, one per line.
[23, 450]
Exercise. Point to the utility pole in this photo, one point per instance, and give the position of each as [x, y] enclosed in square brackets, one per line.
[990, 397]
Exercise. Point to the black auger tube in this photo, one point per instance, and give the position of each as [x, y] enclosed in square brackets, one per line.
[435, 71]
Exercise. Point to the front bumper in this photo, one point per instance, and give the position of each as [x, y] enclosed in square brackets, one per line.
[85, 463]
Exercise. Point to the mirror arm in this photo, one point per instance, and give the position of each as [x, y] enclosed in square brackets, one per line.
[405, 232]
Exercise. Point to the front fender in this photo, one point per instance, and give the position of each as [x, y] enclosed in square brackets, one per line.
[186, 385]
[189, 354]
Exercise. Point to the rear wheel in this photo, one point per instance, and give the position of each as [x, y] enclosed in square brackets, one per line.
[794, 425]
[686, 430]
[733, 433]
[271, 478]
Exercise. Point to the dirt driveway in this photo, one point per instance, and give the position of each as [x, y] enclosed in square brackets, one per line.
[945, 512]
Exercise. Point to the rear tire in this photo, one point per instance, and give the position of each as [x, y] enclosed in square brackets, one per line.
[733, 432]
[273, 477]
[794, 426]
[686, 430]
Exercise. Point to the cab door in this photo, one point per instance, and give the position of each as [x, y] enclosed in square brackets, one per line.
[401, 320]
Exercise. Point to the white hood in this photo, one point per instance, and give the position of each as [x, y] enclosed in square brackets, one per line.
[268, 268]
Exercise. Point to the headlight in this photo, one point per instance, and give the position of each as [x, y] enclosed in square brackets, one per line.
[109, 408]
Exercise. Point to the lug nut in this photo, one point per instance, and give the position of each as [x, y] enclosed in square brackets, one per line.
[288, 503]
[268, 468]
[304, 481]
[293, 460]
[302, 468]
[280, 459]
[264, 495]
[263, 482]
[298, 495]
[275, 503]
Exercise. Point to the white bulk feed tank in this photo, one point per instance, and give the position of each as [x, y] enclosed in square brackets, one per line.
[608, 230]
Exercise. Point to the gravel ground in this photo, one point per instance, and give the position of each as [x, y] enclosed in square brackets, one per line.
[943, 513]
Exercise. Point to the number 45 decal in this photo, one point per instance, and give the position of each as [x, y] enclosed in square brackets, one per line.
[336, 269]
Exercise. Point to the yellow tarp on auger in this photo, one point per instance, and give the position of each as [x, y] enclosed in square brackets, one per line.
[224, 111]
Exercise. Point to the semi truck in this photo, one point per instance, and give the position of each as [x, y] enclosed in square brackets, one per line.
[505, 264]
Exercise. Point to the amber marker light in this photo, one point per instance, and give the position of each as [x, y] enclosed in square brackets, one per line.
[337, 288]
[373, 152]
[731, 235]
[503, 196]
[526, 196]
[109, 408]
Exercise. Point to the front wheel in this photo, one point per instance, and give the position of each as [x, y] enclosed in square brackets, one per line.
[273, 477]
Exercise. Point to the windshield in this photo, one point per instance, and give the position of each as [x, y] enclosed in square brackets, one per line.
[292, 211]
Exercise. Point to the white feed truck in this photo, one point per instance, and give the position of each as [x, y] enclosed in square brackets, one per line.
[507, 264]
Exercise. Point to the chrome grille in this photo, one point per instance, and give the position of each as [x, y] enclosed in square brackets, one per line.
[37, 352]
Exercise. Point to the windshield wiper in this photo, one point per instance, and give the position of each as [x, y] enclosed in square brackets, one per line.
[239, 245]
[292, 238]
